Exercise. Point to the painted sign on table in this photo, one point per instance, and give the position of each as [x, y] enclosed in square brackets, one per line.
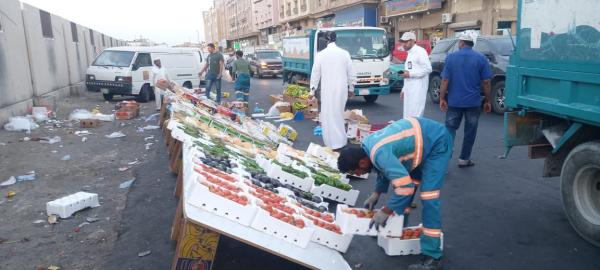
[401, 7]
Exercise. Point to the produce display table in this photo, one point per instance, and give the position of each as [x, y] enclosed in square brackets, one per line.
[197, 234]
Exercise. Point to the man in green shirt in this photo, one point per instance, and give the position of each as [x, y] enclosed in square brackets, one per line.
[241, 68]
[214, 64]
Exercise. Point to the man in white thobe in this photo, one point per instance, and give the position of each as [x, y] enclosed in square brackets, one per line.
[416, 76]
[333, 68]
[159, 73]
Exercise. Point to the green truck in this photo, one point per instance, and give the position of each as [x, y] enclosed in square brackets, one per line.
[553, 92]
[368, 49]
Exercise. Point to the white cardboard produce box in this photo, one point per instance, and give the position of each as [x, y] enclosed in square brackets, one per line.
[339, 242]
[276, 172]
[326, 191]
[351, 224]
[266, 223]
[201, 197]
[394, 246]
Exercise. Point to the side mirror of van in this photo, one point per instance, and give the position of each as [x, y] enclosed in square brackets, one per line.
[134, 67]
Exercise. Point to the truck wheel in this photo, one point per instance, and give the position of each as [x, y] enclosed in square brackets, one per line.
[260, 76]
[498, 98]
[371, 98]
[187, 85]
[434, 88]
[580, 188]
[144, 95]
[108, 97]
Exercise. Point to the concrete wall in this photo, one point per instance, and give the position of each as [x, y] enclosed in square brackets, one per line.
[15, 79]
[40, 70]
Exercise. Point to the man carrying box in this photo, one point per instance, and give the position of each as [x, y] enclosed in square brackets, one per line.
[409, 153]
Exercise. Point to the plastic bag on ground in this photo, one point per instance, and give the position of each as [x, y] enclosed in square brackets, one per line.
[80, 114]
[20, 123]
[273, 111]
[48, 140]
[116, 134]
[40, 113]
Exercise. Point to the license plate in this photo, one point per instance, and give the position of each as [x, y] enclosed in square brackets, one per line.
[105, 91]
[363, 92]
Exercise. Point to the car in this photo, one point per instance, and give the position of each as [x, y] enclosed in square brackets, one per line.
[265, 62]
[497, 49]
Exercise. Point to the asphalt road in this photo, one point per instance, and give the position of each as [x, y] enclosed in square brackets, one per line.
[499, 214]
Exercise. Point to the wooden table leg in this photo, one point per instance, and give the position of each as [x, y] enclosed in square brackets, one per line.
[177, 222]
[179, 183]
[196, 248]
[176, 156]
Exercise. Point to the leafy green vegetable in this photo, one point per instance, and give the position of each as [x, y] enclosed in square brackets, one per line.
[291, 170]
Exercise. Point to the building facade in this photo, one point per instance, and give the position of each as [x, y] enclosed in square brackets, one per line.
[436, 19]
[266, 18]
[265, 22]
[239, 23]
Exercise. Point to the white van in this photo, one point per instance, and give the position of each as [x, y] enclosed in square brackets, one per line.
[127, 71]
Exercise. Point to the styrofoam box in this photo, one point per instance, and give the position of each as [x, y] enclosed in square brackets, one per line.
[202, 198]
[326, 191]
[263, 162]
[276, 172]
[339, 242]
[394, 246]
[265, 223]
[352, 224]
[66, 206]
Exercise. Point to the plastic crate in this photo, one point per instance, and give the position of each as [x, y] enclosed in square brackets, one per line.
[66, 206]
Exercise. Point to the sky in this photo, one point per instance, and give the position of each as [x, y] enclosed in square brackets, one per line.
[170, 21]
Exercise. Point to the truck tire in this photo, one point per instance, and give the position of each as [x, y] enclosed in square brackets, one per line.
[108, 97]
[498, 98]
[144, 95]
[260, 76]
[371, 98]
[187, 85]
[434, 88]
[580, 188]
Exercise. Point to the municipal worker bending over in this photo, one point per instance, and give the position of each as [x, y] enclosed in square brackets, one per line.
[409, 153]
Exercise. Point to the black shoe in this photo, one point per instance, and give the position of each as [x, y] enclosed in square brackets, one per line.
[427, 263]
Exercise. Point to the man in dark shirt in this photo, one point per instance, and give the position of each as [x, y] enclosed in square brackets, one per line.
[465, 73]
[214, 64]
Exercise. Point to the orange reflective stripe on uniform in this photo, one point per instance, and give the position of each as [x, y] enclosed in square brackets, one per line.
[402, 181]
[407, 157]
[418, 142]
[398, 136]
[430, 195]
[432, 232]
[404, 191]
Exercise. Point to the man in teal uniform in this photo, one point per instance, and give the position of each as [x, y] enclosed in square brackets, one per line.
[409, 153]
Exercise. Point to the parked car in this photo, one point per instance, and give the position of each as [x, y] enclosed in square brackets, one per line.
[265, 62]
[497, 49]
[127, 71]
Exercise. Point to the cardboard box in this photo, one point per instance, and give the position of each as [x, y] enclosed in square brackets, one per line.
[125, 115]
[275, 98]
[311, 114]
[284, 108]
[89, 123]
